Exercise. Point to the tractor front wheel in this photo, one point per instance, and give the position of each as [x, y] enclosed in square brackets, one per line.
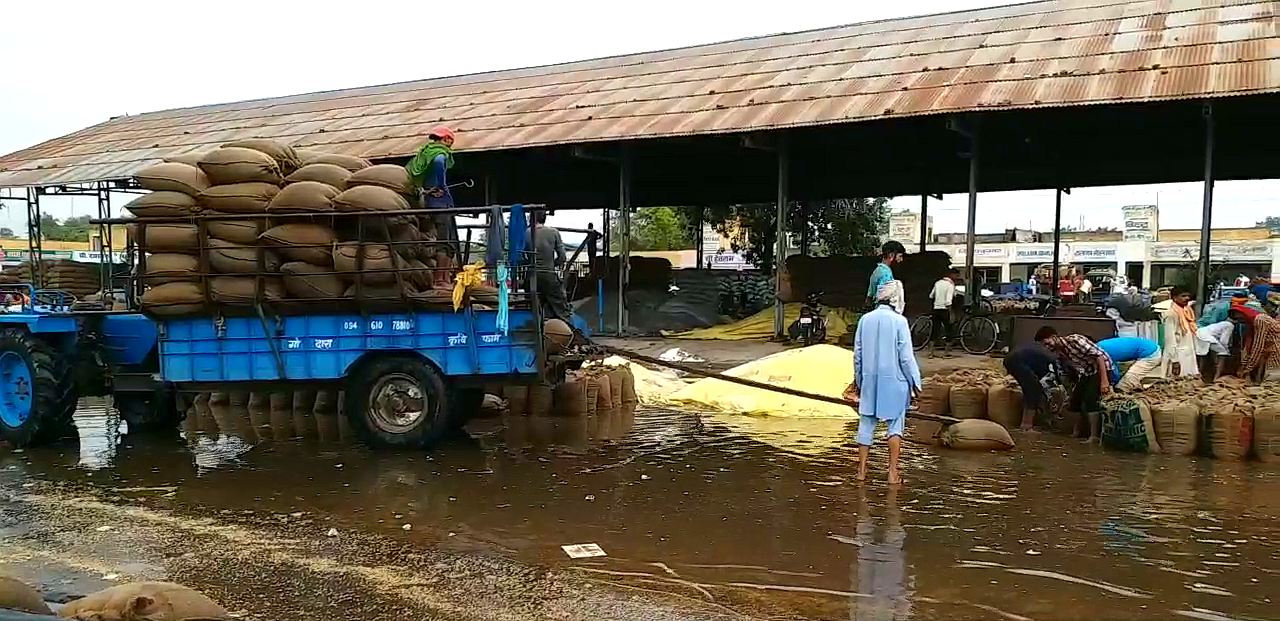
[37, 390]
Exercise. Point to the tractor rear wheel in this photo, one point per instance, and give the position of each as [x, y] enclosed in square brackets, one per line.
[399, 402]
[37, 390]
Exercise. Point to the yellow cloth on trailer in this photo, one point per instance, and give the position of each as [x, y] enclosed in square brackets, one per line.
[470, 276]
[760, 325]
[822, 369]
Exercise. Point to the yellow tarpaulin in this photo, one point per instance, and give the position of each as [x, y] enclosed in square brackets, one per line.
[821, 369]
[760, 325]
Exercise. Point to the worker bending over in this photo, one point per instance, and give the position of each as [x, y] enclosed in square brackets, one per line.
[1143, 353]
[1091, 366]
[1035, 368]
[1213, 343]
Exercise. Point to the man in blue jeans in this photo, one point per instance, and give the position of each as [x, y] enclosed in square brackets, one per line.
[1143, 353]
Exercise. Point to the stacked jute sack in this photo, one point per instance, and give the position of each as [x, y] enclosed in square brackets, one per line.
[272, 234]
[78, 279]
[978, 397]
[1228, 419]
[154, 601]
[592, 390]
[265, 416]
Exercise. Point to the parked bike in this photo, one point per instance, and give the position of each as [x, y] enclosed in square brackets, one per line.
[811, 327]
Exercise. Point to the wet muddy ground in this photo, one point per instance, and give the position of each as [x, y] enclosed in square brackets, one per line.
[702, 517]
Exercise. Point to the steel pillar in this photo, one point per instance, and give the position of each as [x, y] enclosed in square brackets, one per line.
[780, 242]
[698, 213]
[924, 222]
[1057, 238]
[1206, 216]
[624, 223]
[971, 283]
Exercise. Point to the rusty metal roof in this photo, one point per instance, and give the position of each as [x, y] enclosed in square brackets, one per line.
[1039, 54]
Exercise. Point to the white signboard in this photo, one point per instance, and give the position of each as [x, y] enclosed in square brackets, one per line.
[1141, 222]
[1218, 252]
[727, 261]
[81, 256]
[1041, 253]
[1100, 253]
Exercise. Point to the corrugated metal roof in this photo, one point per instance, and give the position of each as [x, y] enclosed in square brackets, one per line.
[1051, 53]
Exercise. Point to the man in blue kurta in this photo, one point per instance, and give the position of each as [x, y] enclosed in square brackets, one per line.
[885, 375]
[429, 170]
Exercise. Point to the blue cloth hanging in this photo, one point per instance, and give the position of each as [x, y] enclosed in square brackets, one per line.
[504, 305]
[494, 251]
[517, 235]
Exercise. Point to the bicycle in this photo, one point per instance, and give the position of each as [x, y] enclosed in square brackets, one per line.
[977, 332]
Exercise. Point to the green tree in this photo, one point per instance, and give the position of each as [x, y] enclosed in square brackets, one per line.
[6, 233]
[72, 229]
[851, 226]
[655, 228]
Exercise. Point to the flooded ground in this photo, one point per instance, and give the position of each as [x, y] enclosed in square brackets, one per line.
[702, 517]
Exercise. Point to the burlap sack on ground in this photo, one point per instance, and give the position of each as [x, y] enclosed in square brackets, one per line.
[369, 198]
[231, 258]
[604, 393]
[177, 298]
[304, 197]
[389, 176]
[541, 400]
[349, 162]
[191, 159]
[177, 238]
[977, 435]
[571, 396]
[629, 396]
[968, 401]
[173, 177]
[306, 242]
[617, 377]
[168, 267]
[307, 281]
[144, 601]
[328, 174]
[1266, 433]
[1229, 429]
[1177, 426]
[239, 230]
[163, 205]
[1127, 425]
[17, 595]
[231, 165]
[379, 263]
[935, 398]
[242, 289]
[1003, 406]
[923, 431]
[517, 398]
[247, 198]
[284, 155]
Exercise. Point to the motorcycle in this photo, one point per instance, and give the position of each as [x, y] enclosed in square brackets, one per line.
[811, 327]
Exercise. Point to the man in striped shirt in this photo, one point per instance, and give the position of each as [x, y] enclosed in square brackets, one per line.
[1092, 367]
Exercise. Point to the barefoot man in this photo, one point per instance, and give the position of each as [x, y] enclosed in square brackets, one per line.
[885, 375]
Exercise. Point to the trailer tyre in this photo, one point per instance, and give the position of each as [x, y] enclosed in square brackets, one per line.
[37, 390]
[399, 402]
[155, 412]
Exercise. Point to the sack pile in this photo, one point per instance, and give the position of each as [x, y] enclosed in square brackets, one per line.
[595, 389]
[266, 230]
[973, 394]
[78, 279]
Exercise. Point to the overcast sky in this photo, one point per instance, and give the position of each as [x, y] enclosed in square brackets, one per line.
[76, 63]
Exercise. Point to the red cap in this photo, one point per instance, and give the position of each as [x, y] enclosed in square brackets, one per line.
[442, 133]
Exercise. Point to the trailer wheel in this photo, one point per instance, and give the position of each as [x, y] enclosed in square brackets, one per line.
[399, 402]
[149, 412]
[37, 390]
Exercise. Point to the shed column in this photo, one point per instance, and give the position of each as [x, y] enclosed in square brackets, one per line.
[924, 222]
[780, 246]
[1057, 239]
[971, 285]
[1206, 216]
[624, 239]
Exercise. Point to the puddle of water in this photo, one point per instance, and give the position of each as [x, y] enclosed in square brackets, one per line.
[739, 511]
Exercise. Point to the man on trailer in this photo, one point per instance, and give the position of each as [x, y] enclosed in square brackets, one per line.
[429, 170]
[551, 256]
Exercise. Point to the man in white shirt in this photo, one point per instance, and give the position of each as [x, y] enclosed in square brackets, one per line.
[1086, 288]
[1215, 340]
[943, 294]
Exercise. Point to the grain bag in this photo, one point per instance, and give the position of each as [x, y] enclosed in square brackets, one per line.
[1177, 426]
[379, 263]
[176, 238]
[629, 396]
[1004, 406]
[280, 410]
[303, 197]
[922, 431]
[239, 230]
[231, 258]
[17, 595]
[389, 176]
[934, 398]
[173, 177]
[230, 165]
[617, 377]
[144, 601]
[349, 162]
[571, 396]
[328, 174]
[241, 290]
[1127, 426]
[604, 393]
[247, 198]
[977, 435]
[191, 159]
[163, 205]
[1229, 426]
[541, 400]
[284, 155]
[177, 298]
[383, 292]
[306, 242]
[169, 267]
[517, 398]
[307, 281]
[968, 401]
[369, 198]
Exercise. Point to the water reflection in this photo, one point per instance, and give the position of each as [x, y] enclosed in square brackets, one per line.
[881, 569]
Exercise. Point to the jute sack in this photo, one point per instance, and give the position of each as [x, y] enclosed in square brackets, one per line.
[175, 298]
[328, 174]
[191, 159]
[1266, 433]
[249, 198]
[935, 398]
[1177, 426]
[16, 595]
[307, 281]
[242, 289]
[389, 176]
[163, 205]
[284, 155]
[230, 165]
[617, 377]
[1127, 426]
[349, 162]
[239, 230]
[968, 401]
[369, 198]
[541, 400]
[306, 242]
[629, 396]
[178, 238]
[977, 435]
[144, 601]
[304, 197]
[231, 258]
[922, 431]
[604, 393]
[571, 397]
[1003, 406]
[379, 263]
[173, 177]
[517, 398]
[1230, 429]
[383, 292]
[168, 267]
